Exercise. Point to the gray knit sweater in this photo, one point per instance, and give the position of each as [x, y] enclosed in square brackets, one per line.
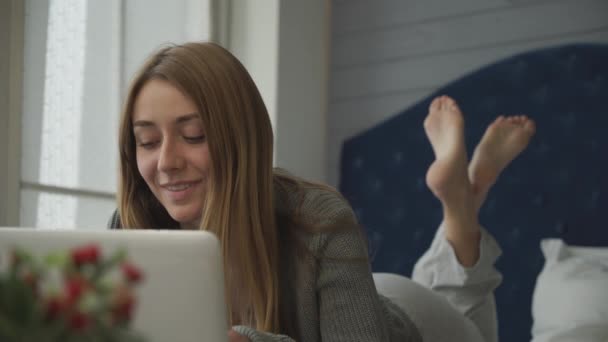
[336, 299]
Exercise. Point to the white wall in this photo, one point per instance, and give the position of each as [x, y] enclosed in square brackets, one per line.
[254, 40]
[389, 54]
[284, 45]
[301, 138]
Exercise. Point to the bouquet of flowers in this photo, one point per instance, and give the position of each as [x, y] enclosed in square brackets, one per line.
[75, 295]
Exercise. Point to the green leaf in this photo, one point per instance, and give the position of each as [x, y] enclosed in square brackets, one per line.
[7, 329]
[59, 260]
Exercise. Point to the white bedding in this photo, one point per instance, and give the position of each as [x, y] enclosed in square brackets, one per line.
[570, 300]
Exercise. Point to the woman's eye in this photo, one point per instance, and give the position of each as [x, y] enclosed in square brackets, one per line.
[196, 139]
[147, 145]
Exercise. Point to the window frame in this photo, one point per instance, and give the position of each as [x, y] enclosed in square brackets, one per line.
[12, 21]
[12, 41]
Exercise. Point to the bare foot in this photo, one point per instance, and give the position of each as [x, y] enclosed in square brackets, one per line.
[447, 176]
[503, 140]
[448, 180]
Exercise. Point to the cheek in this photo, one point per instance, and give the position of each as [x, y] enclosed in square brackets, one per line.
[147, 166]
[203, 162]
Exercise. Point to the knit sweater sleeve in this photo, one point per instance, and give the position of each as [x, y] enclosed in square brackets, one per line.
[260, 336]
[349, 307]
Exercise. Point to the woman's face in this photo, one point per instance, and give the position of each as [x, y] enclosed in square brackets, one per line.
[172, 151]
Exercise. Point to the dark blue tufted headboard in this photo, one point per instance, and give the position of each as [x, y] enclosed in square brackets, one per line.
[557, 188]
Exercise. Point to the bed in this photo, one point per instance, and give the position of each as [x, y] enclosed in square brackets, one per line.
[556, 189]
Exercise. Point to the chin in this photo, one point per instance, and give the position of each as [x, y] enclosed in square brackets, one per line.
[185, 216]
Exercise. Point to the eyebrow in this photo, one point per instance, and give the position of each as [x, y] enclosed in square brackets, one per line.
[187, 117]
[179, 120]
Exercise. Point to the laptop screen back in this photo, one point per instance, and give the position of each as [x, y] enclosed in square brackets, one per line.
[182, 295]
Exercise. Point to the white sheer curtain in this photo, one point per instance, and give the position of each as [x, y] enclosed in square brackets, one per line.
[62, 111]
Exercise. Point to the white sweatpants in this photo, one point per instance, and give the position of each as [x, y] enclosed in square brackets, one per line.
[446, 301]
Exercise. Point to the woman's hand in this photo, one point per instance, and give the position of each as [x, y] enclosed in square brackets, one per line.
[233, 336]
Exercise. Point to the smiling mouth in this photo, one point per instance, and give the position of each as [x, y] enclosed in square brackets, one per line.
[179, 187]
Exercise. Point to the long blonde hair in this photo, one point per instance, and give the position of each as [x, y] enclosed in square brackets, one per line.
[239, 205]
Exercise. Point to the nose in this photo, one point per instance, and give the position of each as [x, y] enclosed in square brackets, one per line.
[170, 158]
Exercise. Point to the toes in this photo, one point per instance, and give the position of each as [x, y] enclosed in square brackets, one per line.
[497, 121]
[517, 120]
[443, 102]
[521, 121]
[449, 103]
[530, 126]
[435, 104]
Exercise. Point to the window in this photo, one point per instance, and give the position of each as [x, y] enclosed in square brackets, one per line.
[78, 58]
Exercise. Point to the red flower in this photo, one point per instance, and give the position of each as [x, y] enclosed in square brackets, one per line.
[131, 273]
[85, 255]
[124, 303]
[79, 321]
[89, 300]
[54, 307]
[74, 288]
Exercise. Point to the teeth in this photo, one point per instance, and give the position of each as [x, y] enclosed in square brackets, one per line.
[178, 187]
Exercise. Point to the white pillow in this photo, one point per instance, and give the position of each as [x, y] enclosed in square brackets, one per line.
[570, 300]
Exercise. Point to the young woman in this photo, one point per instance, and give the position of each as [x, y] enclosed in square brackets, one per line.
[196, 149]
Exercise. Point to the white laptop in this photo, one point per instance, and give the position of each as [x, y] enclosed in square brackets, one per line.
[182, 296]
